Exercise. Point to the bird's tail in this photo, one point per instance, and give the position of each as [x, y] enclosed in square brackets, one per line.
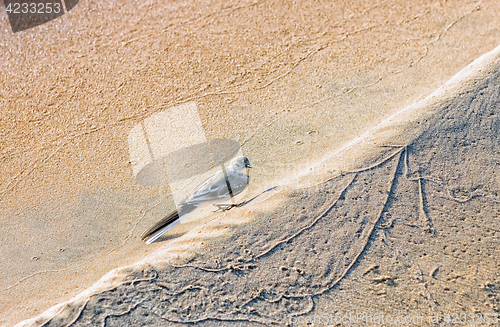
[154, 232]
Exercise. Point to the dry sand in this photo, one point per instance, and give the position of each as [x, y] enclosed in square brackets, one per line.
[414, 233]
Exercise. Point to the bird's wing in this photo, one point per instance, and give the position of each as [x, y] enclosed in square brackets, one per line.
[216, 187]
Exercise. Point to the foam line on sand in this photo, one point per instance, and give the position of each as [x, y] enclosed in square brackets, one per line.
[400, 128]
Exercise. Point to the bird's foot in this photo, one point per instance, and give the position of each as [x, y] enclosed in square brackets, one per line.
[226, 207]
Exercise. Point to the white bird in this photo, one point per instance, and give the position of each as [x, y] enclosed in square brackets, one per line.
[222, 186]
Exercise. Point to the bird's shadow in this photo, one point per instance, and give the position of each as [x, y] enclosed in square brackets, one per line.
[168, 237]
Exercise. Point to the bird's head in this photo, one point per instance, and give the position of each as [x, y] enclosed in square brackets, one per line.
[240, 164]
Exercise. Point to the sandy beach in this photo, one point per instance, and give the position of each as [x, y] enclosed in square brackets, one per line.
[374, 142]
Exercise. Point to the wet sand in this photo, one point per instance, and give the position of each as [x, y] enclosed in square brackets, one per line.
[411, 234]
[293, 91]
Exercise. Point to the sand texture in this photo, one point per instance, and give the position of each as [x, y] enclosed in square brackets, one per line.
[371, 191]
[416, 234]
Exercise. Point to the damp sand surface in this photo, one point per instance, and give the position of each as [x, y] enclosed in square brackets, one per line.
[411, 232]
[307, 86]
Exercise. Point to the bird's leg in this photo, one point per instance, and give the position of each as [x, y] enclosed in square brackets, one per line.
[225, 207]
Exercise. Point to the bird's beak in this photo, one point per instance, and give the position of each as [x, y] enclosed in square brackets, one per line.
[248, 166]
